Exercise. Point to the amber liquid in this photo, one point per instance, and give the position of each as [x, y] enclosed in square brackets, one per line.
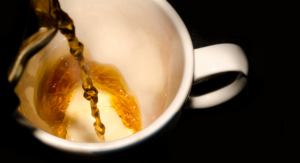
[57, 85]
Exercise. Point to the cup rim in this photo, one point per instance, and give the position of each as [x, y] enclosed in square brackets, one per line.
[172, 109]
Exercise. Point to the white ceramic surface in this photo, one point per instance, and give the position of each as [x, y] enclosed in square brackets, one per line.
[148, 42]
[213, 60]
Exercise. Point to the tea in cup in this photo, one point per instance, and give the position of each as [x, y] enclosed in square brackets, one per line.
[149, 46]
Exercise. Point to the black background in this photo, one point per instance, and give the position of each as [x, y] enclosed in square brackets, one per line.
[243, 128]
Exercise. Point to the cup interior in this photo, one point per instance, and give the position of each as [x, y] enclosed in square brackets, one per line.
[137, 37]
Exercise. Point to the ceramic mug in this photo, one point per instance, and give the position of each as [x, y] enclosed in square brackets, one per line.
[150, 45]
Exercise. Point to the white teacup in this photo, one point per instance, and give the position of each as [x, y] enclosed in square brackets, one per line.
[149, 44]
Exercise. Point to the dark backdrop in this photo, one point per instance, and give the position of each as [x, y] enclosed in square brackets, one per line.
[242, 128]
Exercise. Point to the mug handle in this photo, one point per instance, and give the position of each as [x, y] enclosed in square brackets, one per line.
[216, 59]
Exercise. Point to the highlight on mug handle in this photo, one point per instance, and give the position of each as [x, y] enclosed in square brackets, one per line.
[211, 61]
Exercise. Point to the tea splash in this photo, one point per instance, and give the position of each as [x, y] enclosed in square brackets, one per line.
[56, 88]
[60, 79]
